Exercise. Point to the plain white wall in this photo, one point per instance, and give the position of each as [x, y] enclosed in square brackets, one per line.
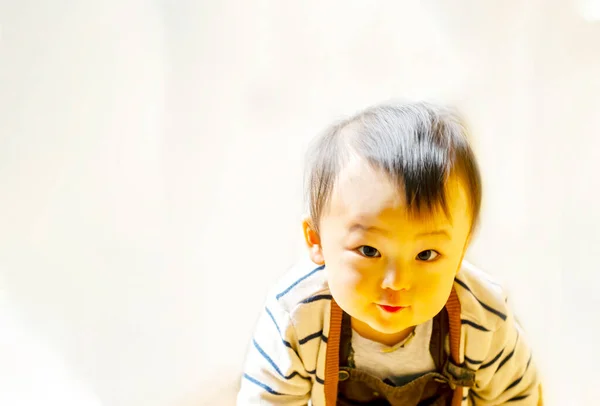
[151, 172]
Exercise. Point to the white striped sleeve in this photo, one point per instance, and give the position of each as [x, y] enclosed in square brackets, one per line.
[273, 373]
[508, 375]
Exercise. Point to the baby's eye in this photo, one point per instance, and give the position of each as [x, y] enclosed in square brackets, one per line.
[369, 251]
[427, 255]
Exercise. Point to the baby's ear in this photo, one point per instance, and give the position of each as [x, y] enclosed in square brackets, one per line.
[313, 241]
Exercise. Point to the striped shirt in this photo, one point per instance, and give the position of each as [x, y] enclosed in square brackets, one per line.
[285, 364]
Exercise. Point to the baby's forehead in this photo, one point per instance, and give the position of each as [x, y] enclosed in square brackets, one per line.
[359, 178]
[358, 175]
[394, 217]
[364, 193]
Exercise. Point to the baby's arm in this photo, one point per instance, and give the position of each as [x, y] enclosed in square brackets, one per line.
[274, 373]
[509, 374]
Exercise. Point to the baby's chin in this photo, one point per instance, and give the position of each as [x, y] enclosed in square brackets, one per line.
[396, 323]
[389, 328]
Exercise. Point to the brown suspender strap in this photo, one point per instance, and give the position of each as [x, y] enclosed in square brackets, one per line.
[332, 360]
[453, 308]
[332, 363]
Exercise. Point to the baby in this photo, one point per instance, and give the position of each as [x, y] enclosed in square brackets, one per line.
[387, 312]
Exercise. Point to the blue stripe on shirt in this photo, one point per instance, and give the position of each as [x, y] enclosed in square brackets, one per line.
[286, 343]
[518, 381]
[486, 307]
[316, 298]
[474, 325]
[273, 318]
[477, 395]
[472, 361]
[317, 379]
[312, 337]
[298, 281]
[517, 398]
[262, 385]
[510, 355]
[515, 383]
[493, 361]
[265, 356]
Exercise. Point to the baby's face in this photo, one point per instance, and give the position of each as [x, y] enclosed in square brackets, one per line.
[377, 255]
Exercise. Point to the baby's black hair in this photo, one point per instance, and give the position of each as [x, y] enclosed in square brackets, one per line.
[418, 145]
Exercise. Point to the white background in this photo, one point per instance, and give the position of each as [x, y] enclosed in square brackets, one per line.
[151, 175]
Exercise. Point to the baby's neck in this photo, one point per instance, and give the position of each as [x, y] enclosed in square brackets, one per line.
[387, 339]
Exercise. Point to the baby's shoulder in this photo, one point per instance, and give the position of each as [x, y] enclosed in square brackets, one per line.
[302, 297]
[302, 284]
[483, 300]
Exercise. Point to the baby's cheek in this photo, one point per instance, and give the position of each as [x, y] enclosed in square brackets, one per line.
[436, 287]
[360, 275]
[424, 286]
[432, 281]
[350, 280]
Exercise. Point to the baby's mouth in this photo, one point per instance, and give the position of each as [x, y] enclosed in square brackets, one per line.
[391, 309]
